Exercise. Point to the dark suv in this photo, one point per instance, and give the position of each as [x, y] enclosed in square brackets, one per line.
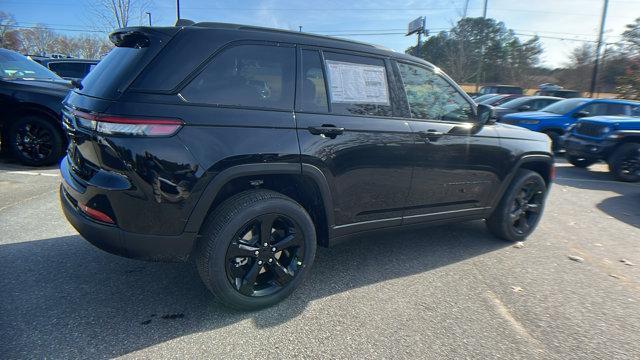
[262, 144]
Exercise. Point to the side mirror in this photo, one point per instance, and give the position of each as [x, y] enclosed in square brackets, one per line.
[581, 114]
[484, 115]
[524, 108]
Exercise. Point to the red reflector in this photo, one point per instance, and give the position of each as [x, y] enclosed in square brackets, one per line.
[95, 214]
[552, 175]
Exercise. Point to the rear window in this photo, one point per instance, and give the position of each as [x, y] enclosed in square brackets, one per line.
[259, 76]
[111, 72]
[69, 69]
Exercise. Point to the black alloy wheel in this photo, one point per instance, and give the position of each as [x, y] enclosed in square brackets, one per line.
[255, 249]
[265, 255]
[520, 208]
[35, 141]
[625, 162]
[526, 207]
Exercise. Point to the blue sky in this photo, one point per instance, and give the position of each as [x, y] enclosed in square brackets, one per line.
[375, 21]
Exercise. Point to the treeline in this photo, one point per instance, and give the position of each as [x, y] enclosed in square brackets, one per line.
[507, 59]
[40, 40]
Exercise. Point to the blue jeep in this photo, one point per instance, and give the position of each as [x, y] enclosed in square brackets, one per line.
[554, 119]
[615, 139]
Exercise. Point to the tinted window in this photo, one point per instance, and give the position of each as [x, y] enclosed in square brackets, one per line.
[431, 97]
[313, 95]
[247, 75]
[516, 103]
[564, 106]
[618, 109]
[595, 109]
[69, 69]
[104, 79]
[357, 85]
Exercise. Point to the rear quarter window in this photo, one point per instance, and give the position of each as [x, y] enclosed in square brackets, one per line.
[257, 76]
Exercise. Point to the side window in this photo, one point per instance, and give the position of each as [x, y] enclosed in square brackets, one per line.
[247, 75]
[68, 69]
[313, 96]
[635, 110]
[618, 109]
[431, 97]
[357, 85]
[595, 109]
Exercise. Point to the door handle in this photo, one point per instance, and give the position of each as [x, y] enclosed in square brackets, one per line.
[430, 134]
[326, 129]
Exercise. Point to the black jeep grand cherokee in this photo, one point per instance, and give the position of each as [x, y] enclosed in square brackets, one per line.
[243, 148]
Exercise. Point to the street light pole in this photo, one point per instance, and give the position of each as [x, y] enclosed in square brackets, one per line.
[466, 8]
[178, 9]
[594, 75]
[149, 14]
[479, 72]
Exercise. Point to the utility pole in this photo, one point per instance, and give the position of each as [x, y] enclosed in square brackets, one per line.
[178, 9]
[149, 14]
[466, 8]
[424, 24]
[594, 75]
[479, 72]
[300, 28]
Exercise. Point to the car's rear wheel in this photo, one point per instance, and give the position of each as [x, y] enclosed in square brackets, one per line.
[520, 208]
[256, 249]
[34, 141]
[580, 161]
[624, 163]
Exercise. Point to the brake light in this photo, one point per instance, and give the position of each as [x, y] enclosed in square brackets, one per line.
[95, 214]
[123, 125]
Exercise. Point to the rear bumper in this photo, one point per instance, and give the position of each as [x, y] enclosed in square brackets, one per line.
[591, 149]
[116, 241]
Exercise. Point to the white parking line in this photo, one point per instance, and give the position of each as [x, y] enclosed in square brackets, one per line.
[31, 173]
[598, 181]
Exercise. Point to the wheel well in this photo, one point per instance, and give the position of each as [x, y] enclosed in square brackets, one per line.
[553, 130]
[541, 167]
[300, 188]
[33, 109]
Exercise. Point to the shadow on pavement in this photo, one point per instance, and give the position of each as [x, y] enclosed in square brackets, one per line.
[62, 298]
[624, 207]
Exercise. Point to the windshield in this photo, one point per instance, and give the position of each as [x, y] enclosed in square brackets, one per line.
[16, 66]
[482, 98]
[564, 106]
[515, 103]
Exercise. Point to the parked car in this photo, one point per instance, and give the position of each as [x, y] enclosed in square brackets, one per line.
[614, 139]
[500, 99]
[30, 104]
[484, 97]
[526, 103]
[245, 162]
[70, 69]
[555, 118]
[501, 89]
[549, 89]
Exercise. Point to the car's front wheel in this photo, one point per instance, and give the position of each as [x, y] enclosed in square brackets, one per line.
[624, 163]
[520, 208]
[256, 248]
[580, 161]
[34, 141]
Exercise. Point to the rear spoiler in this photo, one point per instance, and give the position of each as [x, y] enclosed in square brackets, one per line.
[140, 36]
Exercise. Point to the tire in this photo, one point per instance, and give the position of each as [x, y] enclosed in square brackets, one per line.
[506, 222]
[555, 140]
[225, 274]
[579, 161]
[35, 141]
[624, 163]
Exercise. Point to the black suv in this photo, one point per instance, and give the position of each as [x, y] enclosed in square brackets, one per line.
[30, 109]
[262, 144]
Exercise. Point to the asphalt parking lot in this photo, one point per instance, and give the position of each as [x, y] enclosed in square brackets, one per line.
[442, 292]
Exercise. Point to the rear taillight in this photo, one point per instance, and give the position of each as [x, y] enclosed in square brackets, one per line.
[124, 125]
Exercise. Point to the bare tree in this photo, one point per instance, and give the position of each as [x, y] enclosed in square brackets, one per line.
[7, 26]
[114, 14]
[37, 40]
